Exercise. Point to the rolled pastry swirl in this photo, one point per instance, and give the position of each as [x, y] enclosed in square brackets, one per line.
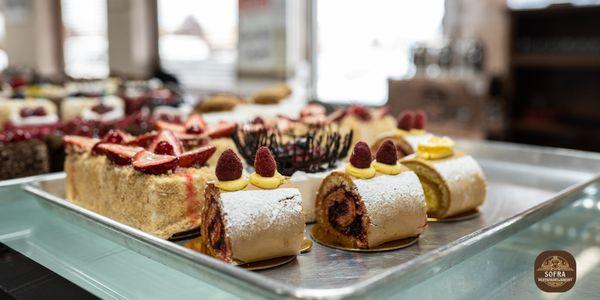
[365, 213]
[252, 225]
[405, 144]
[452, 185]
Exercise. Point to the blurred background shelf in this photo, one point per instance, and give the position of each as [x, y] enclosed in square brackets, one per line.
[554, 74]
[566, 61]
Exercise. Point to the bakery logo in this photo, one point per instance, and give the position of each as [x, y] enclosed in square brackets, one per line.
[555, 271]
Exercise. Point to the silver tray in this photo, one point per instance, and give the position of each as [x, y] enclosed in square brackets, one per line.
[525, 184]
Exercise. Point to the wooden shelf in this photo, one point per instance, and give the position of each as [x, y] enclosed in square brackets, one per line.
[568, 61]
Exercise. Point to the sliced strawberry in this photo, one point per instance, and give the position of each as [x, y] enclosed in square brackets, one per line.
[156, 164]
[164, 148]
[224, 129]
[196, 157]
[195, 124]
[160, 125]
[119, 154]
[80, 142]
[192, 140]
[117, 137]
[169, 137]
[144, 140]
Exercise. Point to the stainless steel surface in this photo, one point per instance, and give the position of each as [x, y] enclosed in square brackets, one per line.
[525, 185]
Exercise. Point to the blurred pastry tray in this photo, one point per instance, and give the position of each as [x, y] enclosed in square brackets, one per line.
[525, 184]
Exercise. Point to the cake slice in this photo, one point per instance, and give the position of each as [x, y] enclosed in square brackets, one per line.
[153, 189]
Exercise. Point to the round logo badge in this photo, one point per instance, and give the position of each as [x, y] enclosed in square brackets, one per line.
[555, 271]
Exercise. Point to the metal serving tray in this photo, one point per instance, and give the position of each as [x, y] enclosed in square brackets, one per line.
[525, 184]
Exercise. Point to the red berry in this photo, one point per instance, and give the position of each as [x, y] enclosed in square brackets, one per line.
[361, 155]
[144, 140]
[196, 157]
[101, 108]
[169, 137]
[258, 121]
[229, 166]
[264, 163]
[387, 153]
[119, 154]
[32, 111]
[163, 147]
[195, 124]
[420, 120]
[405, 120]
[224, 129]
[360, 112]
[116, 137]
[155, 164]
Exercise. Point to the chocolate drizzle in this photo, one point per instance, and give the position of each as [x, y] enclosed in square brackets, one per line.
[315, 151]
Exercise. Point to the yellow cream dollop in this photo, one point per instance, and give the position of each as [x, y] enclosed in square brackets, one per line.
[233, 185]
[363, 173]
[387, 169]
[435, 148]
[267, 182]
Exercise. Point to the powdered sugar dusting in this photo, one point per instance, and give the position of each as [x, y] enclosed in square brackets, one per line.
[465, 180]
[385, 195]
[258, 210]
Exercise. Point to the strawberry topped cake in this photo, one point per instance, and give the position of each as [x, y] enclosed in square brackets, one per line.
[152, 182]
[219, 133]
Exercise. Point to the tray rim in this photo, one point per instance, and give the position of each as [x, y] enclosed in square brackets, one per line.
[272, 287]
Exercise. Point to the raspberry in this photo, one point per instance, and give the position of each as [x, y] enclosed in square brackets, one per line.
[420, 120]
[101, 108]
[264, 163]
[405, 120]
[387, 153]
[361, 155]
[164, 148]
[229, 166]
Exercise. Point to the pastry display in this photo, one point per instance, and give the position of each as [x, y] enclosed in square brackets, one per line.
[150, 94]
[453, 182]
[248, 220]
[30, 139]
[273, 94]
[370, 203]
[409, 132]
[365, 123]
[218, 102]
[29, 111]
[153, 183]
[107, 109]
[306, 158]
[93, 87]
[22, 155]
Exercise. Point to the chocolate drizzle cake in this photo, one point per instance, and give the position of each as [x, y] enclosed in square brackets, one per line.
[316, 151]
